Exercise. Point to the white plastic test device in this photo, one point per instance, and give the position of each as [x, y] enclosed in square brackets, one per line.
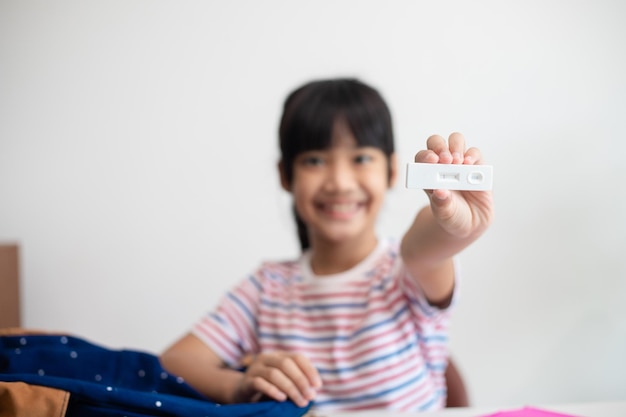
[449, 176]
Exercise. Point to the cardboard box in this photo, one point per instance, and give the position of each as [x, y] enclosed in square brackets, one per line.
[9, 286]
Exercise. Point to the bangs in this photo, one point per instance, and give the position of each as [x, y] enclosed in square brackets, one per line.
[311, 111]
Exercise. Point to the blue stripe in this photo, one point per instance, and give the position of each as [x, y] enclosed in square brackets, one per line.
[242, 306]
[381, 286]
[218, 318]
[292, 306]
[280, 336]
[434, 338]
[441, 367]
[426, 406]
[427, 310]
[284, 278]
[256, 283]
[374, 395]
[366, 363]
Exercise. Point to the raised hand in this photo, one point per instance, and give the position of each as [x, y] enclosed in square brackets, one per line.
[460, 213]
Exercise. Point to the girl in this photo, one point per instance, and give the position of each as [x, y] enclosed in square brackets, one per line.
[356, 322]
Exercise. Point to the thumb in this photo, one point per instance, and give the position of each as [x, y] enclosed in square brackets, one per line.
[440, 198]
[443, 207]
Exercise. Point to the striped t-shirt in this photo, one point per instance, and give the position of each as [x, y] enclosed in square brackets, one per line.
[369, 331]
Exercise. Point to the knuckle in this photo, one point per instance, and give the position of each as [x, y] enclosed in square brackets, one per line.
[285, 361]
[301, 382]
[299, 357]
[293, 393]
[274, 373]
[257, 382]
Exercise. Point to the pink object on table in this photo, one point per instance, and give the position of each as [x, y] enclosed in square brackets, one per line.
[528, 412]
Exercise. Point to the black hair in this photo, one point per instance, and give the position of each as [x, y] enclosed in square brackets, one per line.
[310, 112]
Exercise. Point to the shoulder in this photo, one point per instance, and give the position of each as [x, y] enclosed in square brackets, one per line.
[389, 262]
[269, 277]
[392, 249]
[278, 272]
[383, 269]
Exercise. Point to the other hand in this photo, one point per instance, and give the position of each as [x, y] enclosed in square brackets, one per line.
[279, 375]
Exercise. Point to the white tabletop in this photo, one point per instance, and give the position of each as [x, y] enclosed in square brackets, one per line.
[604, 409]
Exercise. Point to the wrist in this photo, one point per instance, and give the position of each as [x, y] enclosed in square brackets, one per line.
[234, 389]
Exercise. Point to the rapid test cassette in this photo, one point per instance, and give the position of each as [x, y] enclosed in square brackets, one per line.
[449, 176]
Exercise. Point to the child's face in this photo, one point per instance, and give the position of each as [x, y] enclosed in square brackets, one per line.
[338, 192]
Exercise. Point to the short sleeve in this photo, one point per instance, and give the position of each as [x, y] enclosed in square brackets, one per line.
[230, 330]
[432, 324]
[419, 304]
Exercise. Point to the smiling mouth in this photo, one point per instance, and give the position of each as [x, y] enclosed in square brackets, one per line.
[340, 210]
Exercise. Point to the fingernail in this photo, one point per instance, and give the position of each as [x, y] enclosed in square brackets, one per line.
[441, 195]
[310, 394]
[457, 157]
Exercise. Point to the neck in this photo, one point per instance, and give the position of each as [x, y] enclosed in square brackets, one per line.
[332, 258]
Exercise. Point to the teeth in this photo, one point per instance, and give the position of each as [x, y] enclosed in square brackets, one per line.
[341, 208]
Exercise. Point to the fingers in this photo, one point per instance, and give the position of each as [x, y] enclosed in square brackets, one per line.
[473, 156]
[262, 386]
[283, 375]
[309, 370]
[456, 144]
[451, 151]
[439, 147]
[289, 374]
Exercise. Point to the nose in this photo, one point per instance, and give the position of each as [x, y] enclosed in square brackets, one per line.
[340, 177]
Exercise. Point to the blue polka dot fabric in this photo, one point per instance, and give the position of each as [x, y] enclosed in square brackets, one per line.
[106, 383]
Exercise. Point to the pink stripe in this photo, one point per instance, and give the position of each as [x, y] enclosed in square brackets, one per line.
[245, 297]
[320, 354]
[233, 316]
[417, 401]
[394, 400]
[226, 312]
[328, 348]
[274, 312]
[320, 296]
[225, 350]
[372, 372]
[278, 292]
[360, 355]
[377, 382]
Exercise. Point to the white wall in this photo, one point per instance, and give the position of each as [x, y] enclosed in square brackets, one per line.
[138, 151]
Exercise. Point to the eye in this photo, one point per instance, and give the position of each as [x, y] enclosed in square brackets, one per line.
[311, 160]
[363, 158]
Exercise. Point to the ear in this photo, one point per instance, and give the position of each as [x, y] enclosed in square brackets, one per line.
[283, 178]
[393, 169]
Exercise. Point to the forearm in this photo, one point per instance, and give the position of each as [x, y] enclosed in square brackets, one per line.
[202, 369]
[217, 383]
[426, 245]
[427, 250]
